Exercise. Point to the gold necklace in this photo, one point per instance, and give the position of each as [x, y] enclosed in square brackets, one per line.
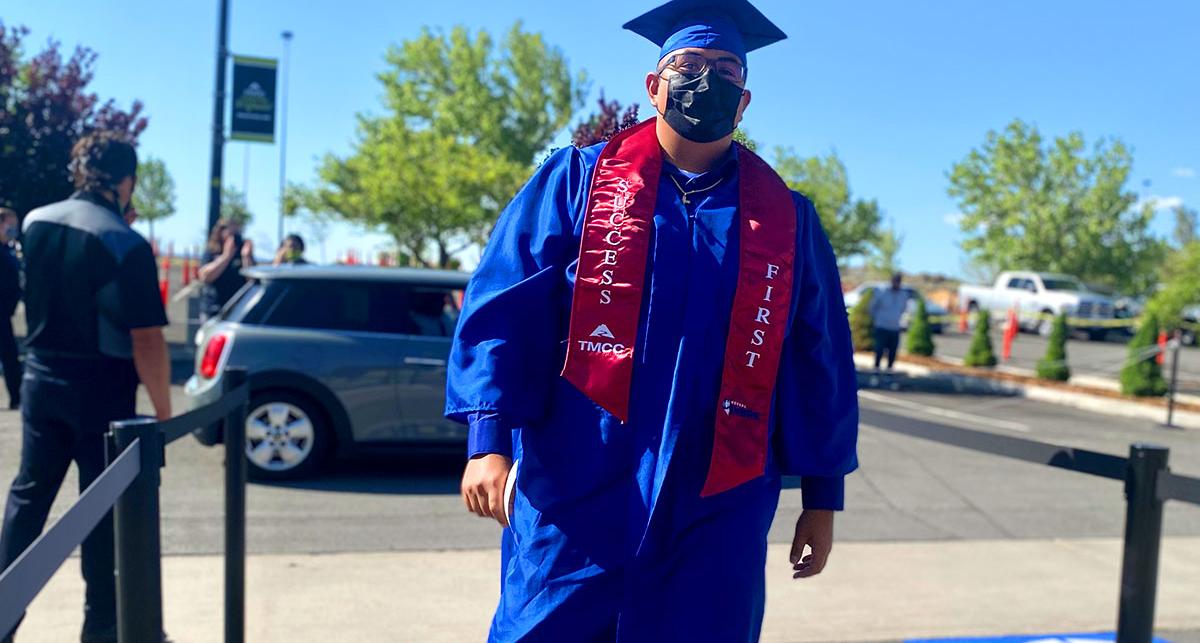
[685, 193]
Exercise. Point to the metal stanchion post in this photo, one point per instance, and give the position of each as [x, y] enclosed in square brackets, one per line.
[1173, 345]
[1143, 535]
[235, 514]
[138, 548]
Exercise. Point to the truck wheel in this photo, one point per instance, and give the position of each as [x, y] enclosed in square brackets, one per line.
[1046, 323]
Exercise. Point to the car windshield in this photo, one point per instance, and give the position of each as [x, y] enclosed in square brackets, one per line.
[1068, 285]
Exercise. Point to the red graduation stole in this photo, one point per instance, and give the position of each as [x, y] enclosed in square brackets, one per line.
[608, 296]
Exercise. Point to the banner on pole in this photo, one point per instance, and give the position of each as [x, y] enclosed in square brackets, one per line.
[253, 98]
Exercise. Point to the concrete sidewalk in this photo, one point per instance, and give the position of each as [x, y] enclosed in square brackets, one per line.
[870, 591]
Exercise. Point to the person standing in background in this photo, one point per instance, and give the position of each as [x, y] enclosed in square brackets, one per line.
[227, 253]
[10, 296]
[887, 308]
[291, 251]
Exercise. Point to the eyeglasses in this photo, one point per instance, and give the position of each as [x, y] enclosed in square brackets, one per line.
[692, 64]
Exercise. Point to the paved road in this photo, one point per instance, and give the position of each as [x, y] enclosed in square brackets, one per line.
[907, 489]
[1103, 359]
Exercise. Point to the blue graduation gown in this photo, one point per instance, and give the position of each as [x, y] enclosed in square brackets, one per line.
[610, 539]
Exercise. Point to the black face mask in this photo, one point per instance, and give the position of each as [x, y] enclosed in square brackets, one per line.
[702, 108]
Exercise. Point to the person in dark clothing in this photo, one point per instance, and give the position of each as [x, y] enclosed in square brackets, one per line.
[10, 296]
[95, 323]
[225, 256]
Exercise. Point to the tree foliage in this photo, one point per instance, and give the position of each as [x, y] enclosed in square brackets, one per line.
[852, 224]
[920, 335]
[861, 325]
[1142, 375]
[1180, 285]
[883, 259]
[234, 206]
[1053, 365]
[464, 120]
[1028, 203]
[154, 198]
[981, 351]
[45, 106]
[1184, 232]
[607, 122]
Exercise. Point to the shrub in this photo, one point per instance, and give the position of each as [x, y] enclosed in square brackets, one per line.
[981, 353]
[1053, 365]
[861, 324]
[1142, 375]
[920, 335]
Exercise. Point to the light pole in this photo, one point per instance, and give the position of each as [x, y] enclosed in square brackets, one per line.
[218, 130]
[287, 67]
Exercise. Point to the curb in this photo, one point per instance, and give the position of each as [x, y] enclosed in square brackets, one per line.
[923, 379]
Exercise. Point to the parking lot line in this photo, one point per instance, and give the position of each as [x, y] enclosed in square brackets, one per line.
[1005, 425]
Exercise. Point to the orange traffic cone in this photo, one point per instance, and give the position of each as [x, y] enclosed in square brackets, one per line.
[962, 320]
[1010, 333]
[1161, 358]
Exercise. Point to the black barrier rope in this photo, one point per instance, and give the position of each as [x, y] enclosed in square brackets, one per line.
[27, 575]
[1090, 462]
[182, 425]
[1172, 486]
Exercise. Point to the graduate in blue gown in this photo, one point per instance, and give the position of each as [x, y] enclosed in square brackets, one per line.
[608, 536]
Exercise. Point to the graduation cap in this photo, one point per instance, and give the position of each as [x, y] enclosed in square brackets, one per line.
[733, 25]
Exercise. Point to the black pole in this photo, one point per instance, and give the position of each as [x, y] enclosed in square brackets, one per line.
[218, 133]
[1143, 535]
[138, 548]
[1174, 345]
[235, 513]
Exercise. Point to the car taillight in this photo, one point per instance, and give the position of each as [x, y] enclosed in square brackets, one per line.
[212, 355]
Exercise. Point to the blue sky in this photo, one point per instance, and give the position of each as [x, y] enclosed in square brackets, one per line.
[899, 90]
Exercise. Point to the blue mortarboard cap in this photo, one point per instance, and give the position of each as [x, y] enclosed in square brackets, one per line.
[733, 25]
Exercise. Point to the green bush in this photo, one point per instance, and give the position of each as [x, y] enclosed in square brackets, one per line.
[861, 325]
[980, 353]
[920, 335]
[1053, 365]
[1142, 376]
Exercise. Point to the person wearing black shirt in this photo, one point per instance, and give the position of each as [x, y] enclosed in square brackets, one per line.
[227, 253]
[10, 296]
[95, 323]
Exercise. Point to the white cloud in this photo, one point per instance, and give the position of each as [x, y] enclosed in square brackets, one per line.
[952, 219]
[1160, 202]
[1184, 172]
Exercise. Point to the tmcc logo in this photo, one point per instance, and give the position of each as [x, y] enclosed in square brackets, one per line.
[603, 331]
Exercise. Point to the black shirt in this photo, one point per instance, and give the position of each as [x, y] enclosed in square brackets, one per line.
[10, 281]
[226, 285]
[89, 280]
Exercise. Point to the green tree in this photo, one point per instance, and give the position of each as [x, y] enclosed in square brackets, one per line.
[234, 206]
[861, 325]
[1053, 366]
[1142, 375]
[604, 124]
[884, 258]
[464, 120]
[920, 335]
[45, 107]
[740, 135]
[1180, 285]
[852, 224]
[154, 198]
[1185, 225]
[980, 352]
[1056, 206]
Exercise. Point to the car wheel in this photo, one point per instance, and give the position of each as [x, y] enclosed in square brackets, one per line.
[287, 436]
[1188, 337]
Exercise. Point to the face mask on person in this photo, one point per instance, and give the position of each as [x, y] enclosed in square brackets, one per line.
[702, 108]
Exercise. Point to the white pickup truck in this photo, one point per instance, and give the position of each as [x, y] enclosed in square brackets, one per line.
[1037, 297]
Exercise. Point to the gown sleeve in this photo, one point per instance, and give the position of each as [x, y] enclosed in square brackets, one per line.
[816, 406]
[506, 355]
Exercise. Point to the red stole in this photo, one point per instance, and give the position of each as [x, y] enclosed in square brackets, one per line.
[608, 296]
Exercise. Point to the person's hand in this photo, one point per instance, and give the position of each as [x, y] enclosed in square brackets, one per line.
[483, 486]
[229, 247]
[815, 529]
[281, 255]
[247, 250]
